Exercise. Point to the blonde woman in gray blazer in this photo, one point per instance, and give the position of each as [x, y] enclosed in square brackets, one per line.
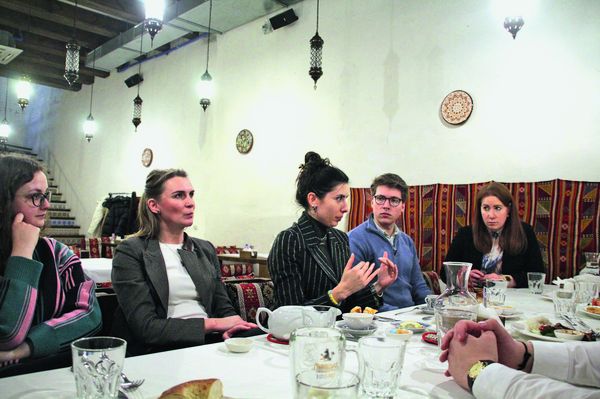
[168, 284]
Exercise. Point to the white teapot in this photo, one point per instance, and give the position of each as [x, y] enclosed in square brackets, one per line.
[282, 321]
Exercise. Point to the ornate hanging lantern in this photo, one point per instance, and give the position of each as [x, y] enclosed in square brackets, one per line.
[89, 125]
[206, 87]
[72, 58]
[154, 17]
[4, 126]
[23, 92]
[316, 53]
[513, 25]
[137, 111]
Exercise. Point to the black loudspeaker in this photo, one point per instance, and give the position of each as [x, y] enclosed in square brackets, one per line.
[134, 80]
[283, 19]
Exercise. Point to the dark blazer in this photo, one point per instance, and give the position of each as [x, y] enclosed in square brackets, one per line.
[302, 273]
[463, 249]
[140, 281]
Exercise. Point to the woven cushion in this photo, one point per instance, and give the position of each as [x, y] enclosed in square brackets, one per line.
[91, 244]
[236, 269]
[107, 251]
[247, 297]
[433, 281]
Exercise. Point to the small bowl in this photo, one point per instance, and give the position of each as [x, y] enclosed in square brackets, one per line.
[571, 335]
[358, 321]
[238, 345]
[399, 333]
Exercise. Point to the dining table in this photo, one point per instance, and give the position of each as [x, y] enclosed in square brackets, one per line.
[264, 371]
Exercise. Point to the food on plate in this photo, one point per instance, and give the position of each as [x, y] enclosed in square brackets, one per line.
[571, 335]
[211, 388]
[593, 309]
[358, 309]
[410, 324]
[534, 323]
[401, 331]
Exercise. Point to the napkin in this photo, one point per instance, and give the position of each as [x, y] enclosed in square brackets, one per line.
[487, 313]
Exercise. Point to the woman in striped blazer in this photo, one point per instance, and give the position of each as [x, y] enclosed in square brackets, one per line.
[310, 262]
[46, 302]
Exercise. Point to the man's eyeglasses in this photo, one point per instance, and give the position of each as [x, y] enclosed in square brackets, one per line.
[394, 201]
[38, 198]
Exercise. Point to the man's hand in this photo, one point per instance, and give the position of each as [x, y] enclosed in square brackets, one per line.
[388, 272]
[462, 355]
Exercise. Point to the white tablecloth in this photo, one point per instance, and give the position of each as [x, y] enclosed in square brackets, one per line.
[98, 269]
[264, 371]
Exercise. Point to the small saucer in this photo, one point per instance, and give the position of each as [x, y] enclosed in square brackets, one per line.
[356, 333]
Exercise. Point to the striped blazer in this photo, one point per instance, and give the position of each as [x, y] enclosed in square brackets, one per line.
[302, 272]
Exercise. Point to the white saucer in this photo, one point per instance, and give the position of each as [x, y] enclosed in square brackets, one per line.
[356, 333]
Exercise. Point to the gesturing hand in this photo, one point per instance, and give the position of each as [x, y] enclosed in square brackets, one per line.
[388, 271]
[357, 277]
[25, 237]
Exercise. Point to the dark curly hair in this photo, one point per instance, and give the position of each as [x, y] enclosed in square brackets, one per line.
[15, 171]
[318, 176]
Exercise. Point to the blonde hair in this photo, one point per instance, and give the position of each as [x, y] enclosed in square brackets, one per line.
[148, 221]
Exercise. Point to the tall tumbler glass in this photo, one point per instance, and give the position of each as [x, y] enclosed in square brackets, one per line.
[97, 366]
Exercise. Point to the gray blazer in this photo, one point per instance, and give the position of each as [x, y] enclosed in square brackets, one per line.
[140, 281]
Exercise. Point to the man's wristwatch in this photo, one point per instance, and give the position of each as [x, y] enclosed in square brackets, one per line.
[475, 370]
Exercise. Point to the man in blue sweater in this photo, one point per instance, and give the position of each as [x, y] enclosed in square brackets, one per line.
[379, 239]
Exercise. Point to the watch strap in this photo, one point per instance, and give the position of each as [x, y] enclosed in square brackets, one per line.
[526, 357]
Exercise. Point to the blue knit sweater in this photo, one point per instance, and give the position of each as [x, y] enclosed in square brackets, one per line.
[368, 243]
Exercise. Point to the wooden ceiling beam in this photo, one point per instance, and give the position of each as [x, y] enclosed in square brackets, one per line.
[41, 80]
[55, 17]
[56, 62]
[126, 11]
[49, 72]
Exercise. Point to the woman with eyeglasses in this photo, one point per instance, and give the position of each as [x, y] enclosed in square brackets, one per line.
[498, 244]
[46, 302]
[310, 262]
[169, 284]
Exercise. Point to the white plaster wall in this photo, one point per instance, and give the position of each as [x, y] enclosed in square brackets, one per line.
[387, 66]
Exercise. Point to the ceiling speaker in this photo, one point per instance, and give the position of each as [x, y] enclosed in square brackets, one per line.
[134, 80]
[283, 19]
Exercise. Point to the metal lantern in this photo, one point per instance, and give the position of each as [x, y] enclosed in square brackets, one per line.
[89, 128]
[23, 92]
[137, 111]
[72, 62]
[154, 17]
[4, 126]
[205, 90]
[316, 53]
[513, 25]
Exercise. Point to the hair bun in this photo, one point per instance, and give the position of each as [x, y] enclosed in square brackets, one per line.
[312, 160]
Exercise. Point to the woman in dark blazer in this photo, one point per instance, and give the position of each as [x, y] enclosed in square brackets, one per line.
[168, 284]
[498, 243]
[310, 262]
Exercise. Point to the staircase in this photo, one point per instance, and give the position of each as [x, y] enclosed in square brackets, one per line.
[60, 224]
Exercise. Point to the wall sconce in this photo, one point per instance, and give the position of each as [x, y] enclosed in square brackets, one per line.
[23, 92]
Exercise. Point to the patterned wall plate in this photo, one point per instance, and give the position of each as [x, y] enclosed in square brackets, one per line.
[457, 107]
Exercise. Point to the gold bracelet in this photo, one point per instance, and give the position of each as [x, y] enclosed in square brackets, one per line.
[332, 299]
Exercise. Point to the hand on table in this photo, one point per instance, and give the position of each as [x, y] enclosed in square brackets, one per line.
[223, 324]
[475, 277]
[462, 355]
[244, 326]
[388, 272]
[13, 356]
[510, 351]
[24, 236]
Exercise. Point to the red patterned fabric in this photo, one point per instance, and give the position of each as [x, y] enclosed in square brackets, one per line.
[107, 251]
[565, 216]
[91, 244]
[433, 281]
[247, 297]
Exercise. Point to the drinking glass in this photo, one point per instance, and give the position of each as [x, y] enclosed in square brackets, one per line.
[494, 292]
[585, 291]
[564, 303]
[592, 264]
[322, 350]
[311, 385]
[381, 362]
[97, 366]
[535, 282]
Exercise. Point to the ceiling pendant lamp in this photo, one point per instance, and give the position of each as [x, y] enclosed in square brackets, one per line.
[72, 58]
[89, 125]
[206, 87]
[23, 92]
[4, 126]
[154, 17]
[137, 101]
[513, 25]
[316, 53]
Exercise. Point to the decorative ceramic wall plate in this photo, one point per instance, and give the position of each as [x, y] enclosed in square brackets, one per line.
[244, 141]
[147, 157]
[457, 107]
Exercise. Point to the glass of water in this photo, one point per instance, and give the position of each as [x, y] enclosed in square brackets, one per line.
[381, 361]
[311, 385]
[535, 282]
[494, 292]
[97, 366]
[446, 318]
[564, 303]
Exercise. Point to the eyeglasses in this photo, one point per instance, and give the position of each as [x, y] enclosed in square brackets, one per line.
[38, 198]
[394, 201]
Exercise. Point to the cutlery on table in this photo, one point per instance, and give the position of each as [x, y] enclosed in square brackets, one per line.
[128, 384]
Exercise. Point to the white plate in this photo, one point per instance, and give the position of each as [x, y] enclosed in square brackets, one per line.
[590, 314]
[424, 309]
[398, 323]
[540, 337]
[356, 333]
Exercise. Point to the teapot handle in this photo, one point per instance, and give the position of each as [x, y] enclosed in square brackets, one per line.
[268, 311]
